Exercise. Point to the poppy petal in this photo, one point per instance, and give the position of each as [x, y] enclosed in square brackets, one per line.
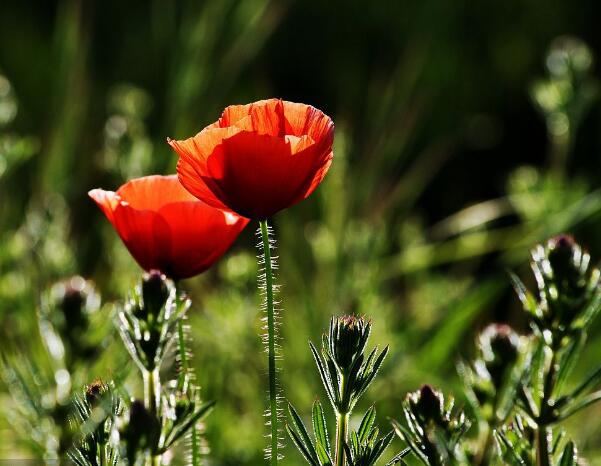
[152, 192]
[258, 158]
[106, 200]
[192, 261]
[248, 159]
[165, 227]
[268, 118]
[146, 236]
[194, 182]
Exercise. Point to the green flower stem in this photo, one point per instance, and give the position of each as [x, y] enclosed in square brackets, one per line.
[341, 434]
[152, 390]
[543, 431]
[152, 401]
[542, 447]
[487, 451]
[102, 454]
[271, 342]
[341, 427]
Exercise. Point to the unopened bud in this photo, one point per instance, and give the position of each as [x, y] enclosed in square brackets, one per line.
[155, 292]
[76, 298]
[563, 254]
[563, 273]
[347, 339]
[94, 393]
[500, 348]
[427, 404]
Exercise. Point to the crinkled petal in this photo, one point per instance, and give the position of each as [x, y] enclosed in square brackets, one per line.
[152, 192]
[258, 158]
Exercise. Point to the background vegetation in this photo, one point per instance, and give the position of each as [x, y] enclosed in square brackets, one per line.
[460, 143]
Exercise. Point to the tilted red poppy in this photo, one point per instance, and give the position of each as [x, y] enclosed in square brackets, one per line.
[164, 227]
[258, 158]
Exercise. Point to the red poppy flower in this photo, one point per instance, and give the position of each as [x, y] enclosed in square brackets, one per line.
[258, 158]
[166, 228]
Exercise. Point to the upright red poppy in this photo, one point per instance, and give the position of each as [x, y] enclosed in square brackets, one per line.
[166, 228]
[258, 158]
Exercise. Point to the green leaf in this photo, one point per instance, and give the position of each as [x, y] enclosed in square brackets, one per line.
[508, 449]
[398, 458]
[374, 371]
[537, 371]
[381, 446]
[569, 456]
[325, 378]
[366, 424]
[583, 403]
[301, 446]
[592, 310]
[324, 456]
[402, 432]
[321, 433]
[301, 436]
[568, 358]
[184, 368]
[590, 381]
[180, 430]
[525, 296]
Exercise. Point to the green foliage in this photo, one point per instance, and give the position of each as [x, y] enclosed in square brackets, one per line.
[426, 204]
[150, 323]
[517, 445]
[345, 371]
[366, 447]
[492, 378]
[93, 422]
[432, 427]
[149, 320]
[345, 374]
[43, 385]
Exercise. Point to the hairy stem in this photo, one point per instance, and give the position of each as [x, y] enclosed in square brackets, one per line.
[152, 401]
[273, 406]
[195, 447]
[341, 434]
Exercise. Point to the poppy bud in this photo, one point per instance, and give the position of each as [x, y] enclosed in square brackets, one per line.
[76, 298]
[426, 404]
[347, 339]
[155, 292]
[564, 277]
[65, 318]
[433, 426]
[183, 407]
[564, 256]
[94, 393]
[500, 349]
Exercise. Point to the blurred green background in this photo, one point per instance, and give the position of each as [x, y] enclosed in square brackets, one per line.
[465, 132]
